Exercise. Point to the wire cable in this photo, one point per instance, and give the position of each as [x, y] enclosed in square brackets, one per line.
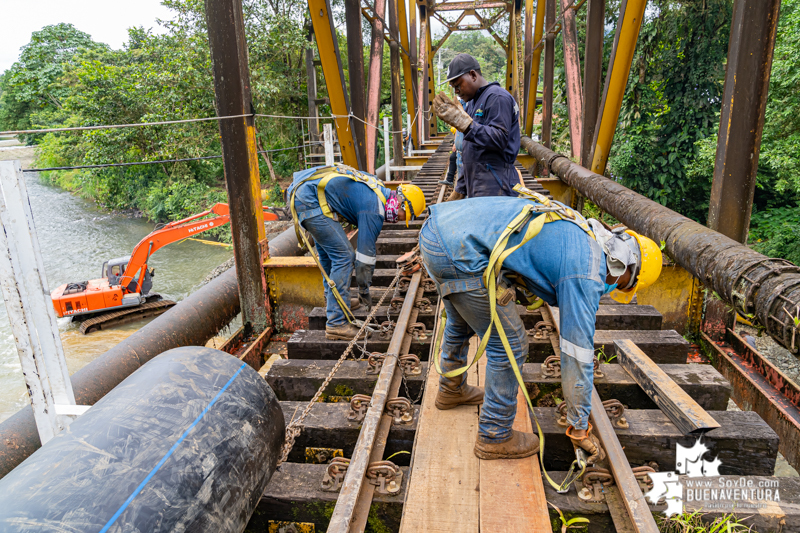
[202, 158]
[113, 126]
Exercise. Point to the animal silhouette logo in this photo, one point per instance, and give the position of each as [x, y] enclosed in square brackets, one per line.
[688, 462]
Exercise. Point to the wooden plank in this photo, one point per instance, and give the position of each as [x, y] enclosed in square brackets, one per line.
[327, 427]
[443, 490]
[512, 494]
[294, 494]
[662, 346]
[744, 443]
[703, 383]
[682, 410]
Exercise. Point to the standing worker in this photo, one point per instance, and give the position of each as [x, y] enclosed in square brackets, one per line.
[490, 125]
[316, 196]
[483, 255]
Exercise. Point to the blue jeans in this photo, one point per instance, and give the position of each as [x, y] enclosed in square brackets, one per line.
[467, 304]
[577, 383]
[337, 258]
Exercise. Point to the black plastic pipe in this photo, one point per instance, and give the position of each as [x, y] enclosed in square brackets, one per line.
[751, 282]
[190, 323]
[186, 443]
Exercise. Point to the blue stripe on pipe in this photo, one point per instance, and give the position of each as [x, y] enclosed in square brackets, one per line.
[170, 452]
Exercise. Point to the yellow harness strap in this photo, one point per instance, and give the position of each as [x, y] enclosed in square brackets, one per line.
[353, 174]
[328, 174]
[496, 259]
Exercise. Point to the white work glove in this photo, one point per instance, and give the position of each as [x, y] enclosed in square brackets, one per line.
[451, 112]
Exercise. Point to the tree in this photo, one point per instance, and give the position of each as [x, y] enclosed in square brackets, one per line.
[31, 84]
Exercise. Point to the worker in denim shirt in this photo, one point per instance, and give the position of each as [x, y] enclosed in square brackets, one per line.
[490, 124]
[570, 263]
[348, 194]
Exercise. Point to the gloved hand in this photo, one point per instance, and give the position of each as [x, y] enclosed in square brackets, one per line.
[589, 443]
[365, 298]
[451, 112]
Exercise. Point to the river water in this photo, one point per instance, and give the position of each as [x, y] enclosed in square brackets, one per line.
[75, 238]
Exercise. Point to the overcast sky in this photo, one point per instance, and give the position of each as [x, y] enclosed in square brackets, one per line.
[107, 21]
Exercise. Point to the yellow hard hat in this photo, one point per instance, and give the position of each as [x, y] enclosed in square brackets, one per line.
[649, 270]
[413, 195]
[452, 130]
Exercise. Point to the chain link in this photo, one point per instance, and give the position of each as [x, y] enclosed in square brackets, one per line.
[294, 427]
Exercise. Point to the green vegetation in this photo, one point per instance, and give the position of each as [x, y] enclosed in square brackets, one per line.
[694, 523]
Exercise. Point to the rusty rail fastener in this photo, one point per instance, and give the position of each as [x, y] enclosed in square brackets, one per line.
[561, 411]
[616, 411]
[541, 330]
[597, 372]
[593, 480]
[641, 475]
[401, 410]
[359, 404]
[418, 331]
[428, 285]
[551, 367]
[375, 362]
[334, 474]
[386, 329]
[386, 476]
[424, 305]
[402, 284]
[411, 365]
[396, 303]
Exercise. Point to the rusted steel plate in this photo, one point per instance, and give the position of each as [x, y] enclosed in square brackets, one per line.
[685, 413]
[752, 391]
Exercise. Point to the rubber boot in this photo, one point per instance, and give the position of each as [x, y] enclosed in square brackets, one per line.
[345, 332]
[452, 393]
[518, 445]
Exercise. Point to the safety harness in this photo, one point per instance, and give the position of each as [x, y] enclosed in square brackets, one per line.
[327, 174]
[527, 220]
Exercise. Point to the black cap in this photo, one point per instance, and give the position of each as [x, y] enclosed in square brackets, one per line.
[460, 65]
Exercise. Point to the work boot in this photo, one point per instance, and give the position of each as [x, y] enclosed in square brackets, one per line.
[355, 303]
[448, 183]
[452, 393]
[518, 445]
[345, 332]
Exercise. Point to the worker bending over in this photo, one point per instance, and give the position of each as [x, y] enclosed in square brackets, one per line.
[490, 251]
[316, 196]
[490, 125]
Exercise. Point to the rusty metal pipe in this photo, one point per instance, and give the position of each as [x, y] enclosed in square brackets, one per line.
[749, 281]
[190, 323]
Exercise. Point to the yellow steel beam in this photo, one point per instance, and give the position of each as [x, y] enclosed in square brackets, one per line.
[325, 34]
[533, 84]
[511, 53]
[616, 80]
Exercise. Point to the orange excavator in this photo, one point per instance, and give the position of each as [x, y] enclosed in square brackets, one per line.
[123, 294]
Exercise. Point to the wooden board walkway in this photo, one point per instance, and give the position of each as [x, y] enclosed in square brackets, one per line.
[452, 490]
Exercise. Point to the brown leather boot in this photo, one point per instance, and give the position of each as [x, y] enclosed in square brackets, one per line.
[517, 446]
[355, 303]
[345, 332]
[452, 393]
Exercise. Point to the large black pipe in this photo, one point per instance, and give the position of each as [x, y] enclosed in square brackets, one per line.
[749, 281]
[186, 443]
[190, 323]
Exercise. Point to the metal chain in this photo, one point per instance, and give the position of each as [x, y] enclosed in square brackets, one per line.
[293, 429]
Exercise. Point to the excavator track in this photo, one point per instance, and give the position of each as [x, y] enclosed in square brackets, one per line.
[125, 315]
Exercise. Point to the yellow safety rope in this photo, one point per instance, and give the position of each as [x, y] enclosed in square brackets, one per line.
[496, 259]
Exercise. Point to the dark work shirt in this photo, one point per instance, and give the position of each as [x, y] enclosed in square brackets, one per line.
[491, 144]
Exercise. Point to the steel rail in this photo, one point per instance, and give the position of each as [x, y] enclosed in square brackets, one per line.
[354, 479]
[751, 282]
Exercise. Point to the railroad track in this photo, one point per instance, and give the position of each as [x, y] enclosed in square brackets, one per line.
[336, 475]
